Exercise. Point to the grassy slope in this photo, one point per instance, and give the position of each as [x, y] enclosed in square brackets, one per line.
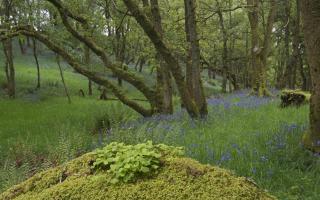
[254, 139]
[39, 128]
[262, 142]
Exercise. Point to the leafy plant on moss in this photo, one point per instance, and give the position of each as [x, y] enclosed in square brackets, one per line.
[127, 162]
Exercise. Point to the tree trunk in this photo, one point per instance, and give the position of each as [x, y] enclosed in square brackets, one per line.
[7, 47]
[142, 62]
[62, 79]
[167, 54]
[28, 42]
[120, 49]
[297, 43]
[10, 71]
[225, 58]
[303, 75]
[87, 62]
[296, 54]
[136, 65]
[260, 48]
[35, 55]
[288, 59]
[248, 71]
[21, 45]
[311, 20]
[164, 83]
[193, 76]
[294, 61]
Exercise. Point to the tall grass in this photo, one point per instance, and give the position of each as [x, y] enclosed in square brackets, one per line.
[253, 137]
[40, 129]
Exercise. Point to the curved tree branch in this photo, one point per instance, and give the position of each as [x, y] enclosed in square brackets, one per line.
[115, 68]
[29, 31]
[166, 54]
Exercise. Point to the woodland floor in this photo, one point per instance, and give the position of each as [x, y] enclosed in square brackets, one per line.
[252, 136]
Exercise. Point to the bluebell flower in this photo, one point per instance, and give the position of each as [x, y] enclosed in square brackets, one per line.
[281, 145]
[237, 148]
[263, 158]
[270, 173]
[225, 157]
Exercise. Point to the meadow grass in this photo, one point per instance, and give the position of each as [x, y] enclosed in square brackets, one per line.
[40, 129]
[252, 136]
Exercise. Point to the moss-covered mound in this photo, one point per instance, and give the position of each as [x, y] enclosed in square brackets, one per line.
[177, 178]
[294, 98]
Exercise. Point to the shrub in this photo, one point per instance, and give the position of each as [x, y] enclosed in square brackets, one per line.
[127, 162]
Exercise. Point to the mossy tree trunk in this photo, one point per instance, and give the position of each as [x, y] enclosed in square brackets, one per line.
[150, 94]
[260, 46]
[120, 48]
[225, 52]
[311, 20]
[8, 52]
[166, 53]
[35, 55]
[164, 83]
[78, 67]
[193, 75]
[289, 70]
[294, 61]
[88, 63]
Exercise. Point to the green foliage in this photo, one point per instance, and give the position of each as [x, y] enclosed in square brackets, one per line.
[126, 162]
[179, 178]
[294, 98]
[40, 129]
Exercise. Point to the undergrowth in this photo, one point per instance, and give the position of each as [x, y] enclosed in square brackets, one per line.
[127, 162]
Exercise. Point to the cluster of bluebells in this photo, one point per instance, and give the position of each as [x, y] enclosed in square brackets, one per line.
[241, 99]
[175, 130]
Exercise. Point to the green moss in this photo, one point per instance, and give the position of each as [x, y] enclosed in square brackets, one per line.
[179, 178]
[294, 97]
[304, 93]
[309, 143]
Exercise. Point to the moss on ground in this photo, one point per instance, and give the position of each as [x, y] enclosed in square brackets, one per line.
[178, 179]
[294, 97]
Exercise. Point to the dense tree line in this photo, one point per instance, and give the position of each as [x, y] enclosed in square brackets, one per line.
[244, 44]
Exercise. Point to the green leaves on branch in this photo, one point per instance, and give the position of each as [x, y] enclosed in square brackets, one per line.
[127, 162]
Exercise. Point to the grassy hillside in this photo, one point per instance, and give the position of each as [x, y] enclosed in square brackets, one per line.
[40, 128]
[252, 136]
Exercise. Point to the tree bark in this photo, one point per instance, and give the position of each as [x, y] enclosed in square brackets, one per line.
[166, 53]
[120, 48]
[288, 59]
[7, 47]
[87, 62]
[164, 83]
[260, 47]
[21, 45]
[311, 20]
[225, 49]
[62, 79]
[35, 55]
[139, 84]
[100, 80]
[193, 76]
